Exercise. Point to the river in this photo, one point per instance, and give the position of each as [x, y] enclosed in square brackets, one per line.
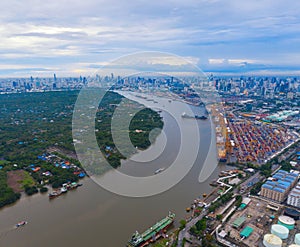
[92, 216]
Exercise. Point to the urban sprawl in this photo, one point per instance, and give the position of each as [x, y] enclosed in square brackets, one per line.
[257, 201]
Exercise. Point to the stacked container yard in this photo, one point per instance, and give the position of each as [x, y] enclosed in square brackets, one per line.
[256, 142]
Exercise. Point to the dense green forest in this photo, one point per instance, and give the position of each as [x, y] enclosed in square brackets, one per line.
[7, 195]
[138, 130]
[30, 123]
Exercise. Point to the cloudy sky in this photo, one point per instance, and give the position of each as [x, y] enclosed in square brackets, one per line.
[221, 36]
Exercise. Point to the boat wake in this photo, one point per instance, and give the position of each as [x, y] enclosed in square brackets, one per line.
[6, 231]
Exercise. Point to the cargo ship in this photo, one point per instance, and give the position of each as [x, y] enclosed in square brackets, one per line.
[151, 234]
[184, 115]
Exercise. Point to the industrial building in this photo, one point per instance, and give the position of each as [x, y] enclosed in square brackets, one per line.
[239, 222]
[245, 202]
[294, 197]
[246, 232]
[295, 214]
[282, 115]
[279, 185]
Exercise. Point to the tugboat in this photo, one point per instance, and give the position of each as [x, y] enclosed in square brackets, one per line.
[159, 170]
[21, 223]
[54, 194]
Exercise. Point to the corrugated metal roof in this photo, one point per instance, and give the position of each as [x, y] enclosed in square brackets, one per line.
[282, 171]
[246, 232]
[266, 186]
[279, 190]
[239, 221]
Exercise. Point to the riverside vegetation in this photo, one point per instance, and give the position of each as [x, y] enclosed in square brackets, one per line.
[31, 123]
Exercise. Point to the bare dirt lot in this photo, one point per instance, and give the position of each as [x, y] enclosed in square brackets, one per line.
[14, 180]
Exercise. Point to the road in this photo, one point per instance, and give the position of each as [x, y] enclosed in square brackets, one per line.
[184, 233]
[255, 178]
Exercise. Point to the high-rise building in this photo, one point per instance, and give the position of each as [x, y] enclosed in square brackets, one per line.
[290, 95]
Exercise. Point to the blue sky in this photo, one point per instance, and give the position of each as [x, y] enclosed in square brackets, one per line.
[75, 37]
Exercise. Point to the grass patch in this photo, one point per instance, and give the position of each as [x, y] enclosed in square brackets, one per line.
[27, 180]
[4, 162]
[19, 179]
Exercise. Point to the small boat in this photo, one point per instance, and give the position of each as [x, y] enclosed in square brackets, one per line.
[159, 170]
[214, 183]
[21, 223]
[54, 194]
[73, 186]
[184, 115]
[63, 190]
[70, 186]
[188, 209]
[204, 195]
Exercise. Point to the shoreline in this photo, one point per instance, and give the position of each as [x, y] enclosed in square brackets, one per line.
[65, 156]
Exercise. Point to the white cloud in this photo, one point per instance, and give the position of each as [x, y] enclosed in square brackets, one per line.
[216, 60]
[241, 61]
[217, 31]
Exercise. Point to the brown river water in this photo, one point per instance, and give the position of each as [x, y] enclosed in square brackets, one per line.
[92, 216]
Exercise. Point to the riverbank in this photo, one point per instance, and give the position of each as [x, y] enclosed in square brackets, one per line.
[91, 212]
[37, 144]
